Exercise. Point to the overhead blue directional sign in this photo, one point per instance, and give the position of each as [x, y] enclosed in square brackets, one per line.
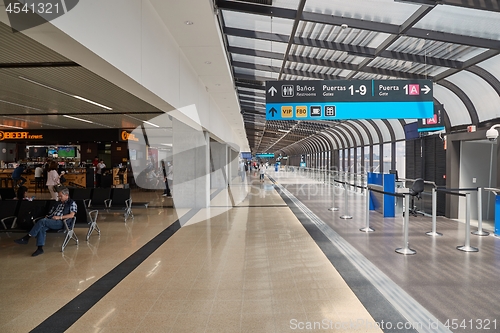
[346, 99]
[262, 155]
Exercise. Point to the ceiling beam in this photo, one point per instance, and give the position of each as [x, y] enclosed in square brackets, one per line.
[391, 39]
[249, 85]
[469, 63]
[300, 9]
[349, 48]
[392, 29]
[324, 63]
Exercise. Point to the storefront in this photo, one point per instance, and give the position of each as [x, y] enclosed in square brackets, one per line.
[73, 150]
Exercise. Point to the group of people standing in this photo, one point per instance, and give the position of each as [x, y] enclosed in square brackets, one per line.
[48, 172]
[244, 167]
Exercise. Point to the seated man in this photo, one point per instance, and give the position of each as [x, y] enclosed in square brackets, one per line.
[66, 209]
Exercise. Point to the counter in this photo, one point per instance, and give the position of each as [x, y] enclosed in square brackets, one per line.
[77, 176]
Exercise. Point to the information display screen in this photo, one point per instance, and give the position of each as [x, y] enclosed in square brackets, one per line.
[66, 151]
[38, 152]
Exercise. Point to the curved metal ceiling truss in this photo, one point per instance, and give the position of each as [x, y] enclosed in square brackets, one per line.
[363, 126]
[350, 128]
[333, 139]
[465, 99]
[306, 42]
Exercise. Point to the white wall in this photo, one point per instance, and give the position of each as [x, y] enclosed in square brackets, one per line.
[127, 43]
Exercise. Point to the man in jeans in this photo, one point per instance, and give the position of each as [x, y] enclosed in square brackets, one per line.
[66, 209]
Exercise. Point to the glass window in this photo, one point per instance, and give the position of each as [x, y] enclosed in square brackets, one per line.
[341, 159]
[376, 158]
[387, 157]
[359, 153]
[401, 158]
[366, 152]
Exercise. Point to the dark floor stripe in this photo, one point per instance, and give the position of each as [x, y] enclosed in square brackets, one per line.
[375, 303]
[66, 316]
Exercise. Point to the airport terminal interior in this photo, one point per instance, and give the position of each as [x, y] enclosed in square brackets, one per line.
[250, 165]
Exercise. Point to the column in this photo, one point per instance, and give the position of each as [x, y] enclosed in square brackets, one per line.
[191, 183]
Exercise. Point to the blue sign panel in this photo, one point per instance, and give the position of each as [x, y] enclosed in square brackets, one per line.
[344, 99]
[435, 123]
[264, 155]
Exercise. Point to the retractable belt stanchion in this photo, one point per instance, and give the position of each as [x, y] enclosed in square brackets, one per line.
[479, 231]
[333, 208]
[467, 247]
[434, 213]
[406, 249]
[346, 216]
[367, 218]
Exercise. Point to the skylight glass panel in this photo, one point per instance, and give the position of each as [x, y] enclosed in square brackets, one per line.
[386, 135]
[462, 21]
[372, 131]
[407, 66]
[256, 73]
[364, 135]
[244, 89]
[399, 132]
[455, 108]
[346, 135]
[492, 65]
[317, 31]
[482, 95]
[257, 22]
[256, 60]
[257, 44]
[290, 4]
[435, 49]
[386, 11]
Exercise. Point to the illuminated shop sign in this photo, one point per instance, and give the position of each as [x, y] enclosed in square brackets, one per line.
[125, 136]
[19, 135]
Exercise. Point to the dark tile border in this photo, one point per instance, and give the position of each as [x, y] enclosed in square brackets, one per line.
[66, 316]
[375, 303]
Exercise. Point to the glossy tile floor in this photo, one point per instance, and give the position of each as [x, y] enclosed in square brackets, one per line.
[249, 268]
[458, 288]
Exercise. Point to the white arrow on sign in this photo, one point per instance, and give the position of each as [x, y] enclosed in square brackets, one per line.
[272, 91]
[426, 89]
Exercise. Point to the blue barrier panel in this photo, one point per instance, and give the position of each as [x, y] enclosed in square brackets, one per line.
[374, 179]
[389, 200]
[497, 215]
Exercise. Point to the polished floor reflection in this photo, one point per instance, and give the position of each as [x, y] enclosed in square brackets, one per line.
[249, 268]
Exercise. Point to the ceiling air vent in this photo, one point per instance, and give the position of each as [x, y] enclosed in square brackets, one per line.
[262, 2]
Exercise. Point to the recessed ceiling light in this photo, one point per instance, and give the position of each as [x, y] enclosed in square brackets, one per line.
[11, 126]
[23, 106]
[147, 122]
[65, 93]
[75, 118]
[188, 23]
